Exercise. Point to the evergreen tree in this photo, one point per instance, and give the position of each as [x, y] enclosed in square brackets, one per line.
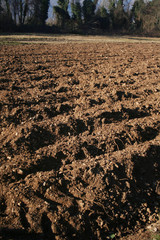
[137, 13]
[44, 10]
[76, 11]
[103, 17]
[39, 11]
[119, 18]
[88, 10]
[111, 8]
[61, 12]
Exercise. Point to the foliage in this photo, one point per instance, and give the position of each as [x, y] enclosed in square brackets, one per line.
[113, 15]
[63, 4]
[21, 12]
[119, 18]
[155, 236]
[151, 17]
[39, 11]
[88, 10]
[146, 16]
[76, 11]
[61, 12]
[103, 17]
[137, 13]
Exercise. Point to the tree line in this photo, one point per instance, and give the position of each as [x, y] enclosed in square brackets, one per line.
[21, 13]
[112, 16]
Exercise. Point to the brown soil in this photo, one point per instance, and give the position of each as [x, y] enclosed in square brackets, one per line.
[80, 140]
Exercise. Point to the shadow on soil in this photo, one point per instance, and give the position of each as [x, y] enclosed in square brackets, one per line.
[19, 234]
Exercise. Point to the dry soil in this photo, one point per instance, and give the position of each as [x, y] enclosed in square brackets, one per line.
[80, 140]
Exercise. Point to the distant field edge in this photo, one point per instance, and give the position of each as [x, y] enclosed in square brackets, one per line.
[70, 38]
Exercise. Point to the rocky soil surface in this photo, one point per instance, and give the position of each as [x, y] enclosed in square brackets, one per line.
[80, 140]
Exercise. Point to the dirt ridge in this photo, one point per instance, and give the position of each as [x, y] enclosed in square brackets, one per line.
[80, 140]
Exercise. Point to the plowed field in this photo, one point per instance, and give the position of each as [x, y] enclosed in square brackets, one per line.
[80, 140]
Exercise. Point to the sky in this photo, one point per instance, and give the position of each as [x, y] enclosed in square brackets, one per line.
[50, 10]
